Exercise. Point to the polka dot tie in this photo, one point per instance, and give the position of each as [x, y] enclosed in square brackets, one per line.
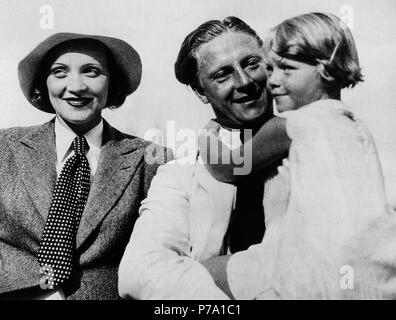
[57, 247]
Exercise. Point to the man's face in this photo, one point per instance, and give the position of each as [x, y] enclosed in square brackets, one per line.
[232, 75]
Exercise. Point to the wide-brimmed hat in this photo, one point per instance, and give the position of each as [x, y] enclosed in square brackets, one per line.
[127, 61]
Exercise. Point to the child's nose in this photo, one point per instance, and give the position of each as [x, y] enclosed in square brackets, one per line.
[274, 79]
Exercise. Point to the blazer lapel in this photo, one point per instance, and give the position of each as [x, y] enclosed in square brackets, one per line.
[211, 206]
[119, 158]
[37, 159]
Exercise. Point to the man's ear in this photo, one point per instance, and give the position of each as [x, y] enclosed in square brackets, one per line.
[201, 95]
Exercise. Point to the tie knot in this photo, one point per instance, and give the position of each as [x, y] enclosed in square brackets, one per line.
[79, 145]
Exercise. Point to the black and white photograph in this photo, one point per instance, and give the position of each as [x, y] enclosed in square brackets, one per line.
[210, 150]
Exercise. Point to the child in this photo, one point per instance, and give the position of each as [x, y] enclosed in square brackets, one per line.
[326, 210]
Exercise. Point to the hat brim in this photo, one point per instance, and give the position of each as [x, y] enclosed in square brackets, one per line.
[126, 58]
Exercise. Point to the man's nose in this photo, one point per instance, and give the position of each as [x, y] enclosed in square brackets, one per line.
[243, 79]
[76, 84]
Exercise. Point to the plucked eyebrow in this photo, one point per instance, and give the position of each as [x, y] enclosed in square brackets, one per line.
[90, 64]
[56, 64]
[93, 64]
[84, 65]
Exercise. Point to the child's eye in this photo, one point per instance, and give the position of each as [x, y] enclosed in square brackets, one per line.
[286, 67]
[269, 68]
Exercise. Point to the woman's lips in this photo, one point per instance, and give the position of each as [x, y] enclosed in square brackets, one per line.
[78, 102]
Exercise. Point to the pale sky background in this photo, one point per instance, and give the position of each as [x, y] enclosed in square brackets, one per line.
[156, 29]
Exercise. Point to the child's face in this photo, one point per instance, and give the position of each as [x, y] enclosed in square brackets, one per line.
[293, 84]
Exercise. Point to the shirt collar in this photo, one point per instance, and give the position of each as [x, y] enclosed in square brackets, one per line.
[64, 137]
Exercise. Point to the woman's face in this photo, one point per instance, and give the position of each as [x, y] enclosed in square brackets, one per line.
[78, 84]
[293, 84]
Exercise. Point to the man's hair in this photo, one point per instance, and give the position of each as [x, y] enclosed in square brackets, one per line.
[318, 38]
[186, 63]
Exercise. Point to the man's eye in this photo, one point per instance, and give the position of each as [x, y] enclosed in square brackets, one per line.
[221, 76]
[253, 63]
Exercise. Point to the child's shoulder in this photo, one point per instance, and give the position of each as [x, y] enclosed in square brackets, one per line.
[321, 118]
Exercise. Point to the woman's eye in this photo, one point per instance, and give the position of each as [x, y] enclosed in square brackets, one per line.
[269, 68]
[59, 72]
[92, 72]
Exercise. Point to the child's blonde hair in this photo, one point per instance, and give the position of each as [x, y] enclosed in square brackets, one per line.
[318, 39]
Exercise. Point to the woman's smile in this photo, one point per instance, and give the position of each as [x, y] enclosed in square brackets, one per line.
[78, 85]
[78, 102]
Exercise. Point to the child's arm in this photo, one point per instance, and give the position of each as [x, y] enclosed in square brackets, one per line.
[269, 144]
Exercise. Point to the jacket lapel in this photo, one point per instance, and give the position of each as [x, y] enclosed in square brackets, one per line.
[37, 159]
[119, 158]
[211, 206]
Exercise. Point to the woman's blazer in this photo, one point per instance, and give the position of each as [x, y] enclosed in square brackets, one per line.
[126, 167]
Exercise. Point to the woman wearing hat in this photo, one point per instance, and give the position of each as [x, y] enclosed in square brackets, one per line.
[71, 188]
